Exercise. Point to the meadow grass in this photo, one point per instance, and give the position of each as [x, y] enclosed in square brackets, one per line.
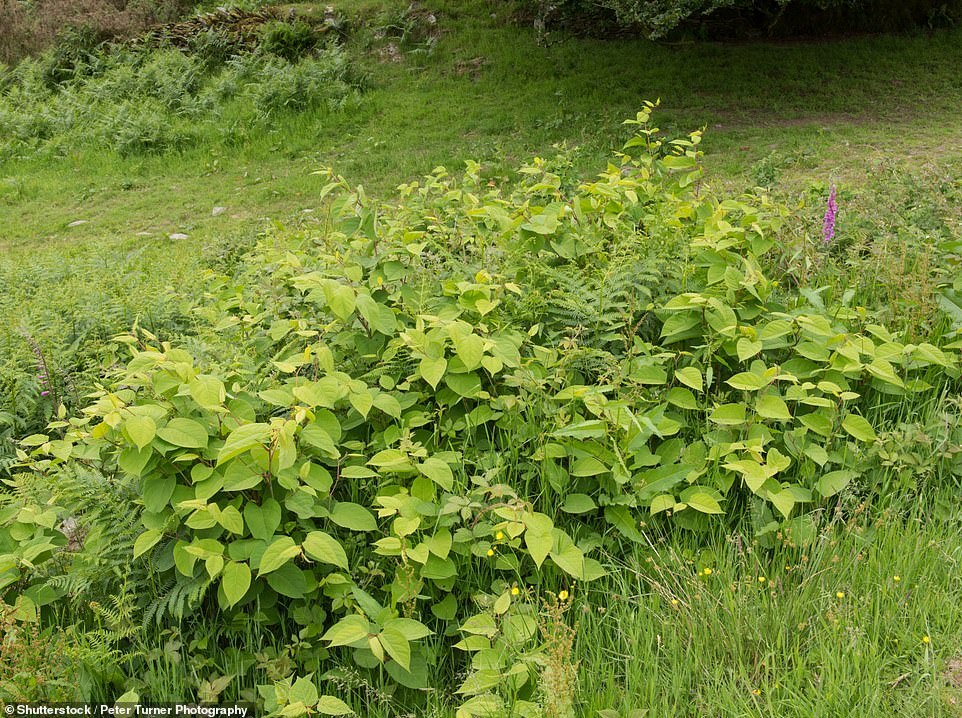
[864, 621]
[485, 89]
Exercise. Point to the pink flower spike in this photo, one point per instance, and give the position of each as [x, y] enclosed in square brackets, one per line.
[828, 225]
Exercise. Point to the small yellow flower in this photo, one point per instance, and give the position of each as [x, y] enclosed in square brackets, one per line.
[563, 595]
[490, 552]
[896, 578]
[762, 579]
[674, 602]
[498, 536]
[839, 594]
[756, 692]
[707, 571]
[926, 639]
[515, 590]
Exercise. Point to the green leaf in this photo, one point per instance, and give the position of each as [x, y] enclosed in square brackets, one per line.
[538, 536]
[470, 350]
[746, 348]
[146, 541]
[566, 556]
[728, 414]
[185, 433]
[388, 404]
[231, 519]
[701, 501]
[578, 504]
[348, 630]
[682, 398]
[439, 472]
[208, 391]
[340, 298]
[432, 370]
[243, 438]
[303, 691]
[412, 630]
[262, 521]
[379, 317]
[324, 547]
[858, 427]
[331, 706]
[396, 645]
[690, 376]
[280, 551]
[353, 516]
[622, 519]
[817, 422]
[662, 502]
[141, 430]
[588, 466]
[157, 492]
[466, 385]
[834, 481]
[747, 381]
[770, 406]
[784, 501]
[288, 581]
[235, 580]
[362, 401]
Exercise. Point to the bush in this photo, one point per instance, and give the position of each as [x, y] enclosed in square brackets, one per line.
[291, 41]
[658, 18]
[412, 424]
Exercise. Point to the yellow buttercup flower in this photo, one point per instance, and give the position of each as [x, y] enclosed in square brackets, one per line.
[498, 536]
[707, 571]
[762, 579]
[490, 552]
[515, 590]
[926, 639]
[840, 594]
[674, 602]
[563, 595]
[896, 578]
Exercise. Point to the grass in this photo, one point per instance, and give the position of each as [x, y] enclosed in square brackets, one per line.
[863, 622]
[487, 90]
[838, 627]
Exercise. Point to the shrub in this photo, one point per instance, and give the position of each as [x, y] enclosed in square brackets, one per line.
[291, 41]
[657, 18]
[424, 418]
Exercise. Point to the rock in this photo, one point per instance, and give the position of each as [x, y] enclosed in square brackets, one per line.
[177, 235]
[218, 211]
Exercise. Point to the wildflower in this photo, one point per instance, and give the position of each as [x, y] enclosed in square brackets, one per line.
[762, 579]
[490, 552]
[563, 595]
[515, 590]
[839, 594]
[926, 639]
[674, 602]
[756, 692]
[707, 571]
[896, 578]
[828, 225]
[498, 536]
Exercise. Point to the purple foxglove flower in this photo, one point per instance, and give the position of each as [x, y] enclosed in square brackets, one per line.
[828, 225]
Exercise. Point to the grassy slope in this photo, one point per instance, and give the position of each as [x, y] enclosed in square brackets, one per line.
[731, 645]
[784, 106]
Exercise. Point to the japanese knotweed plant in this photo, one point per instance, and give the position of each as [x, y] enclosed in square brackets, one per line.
[394, 426]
